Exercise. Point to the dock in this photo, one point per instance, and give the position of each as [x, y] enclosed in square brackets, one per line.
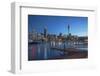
[73, 52]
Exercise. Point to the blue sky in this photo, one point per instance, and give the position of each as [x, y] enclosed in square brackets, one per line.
[58, 24]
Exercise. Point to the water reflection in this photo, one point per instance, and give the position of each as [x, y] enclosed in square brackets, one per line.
[43, 51]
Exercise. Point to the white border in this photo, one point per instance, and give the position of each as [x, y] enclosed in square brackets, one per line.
[19, 31]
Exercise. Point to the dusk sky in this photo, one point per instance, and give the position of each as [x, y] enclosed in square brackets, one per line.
[58, 24]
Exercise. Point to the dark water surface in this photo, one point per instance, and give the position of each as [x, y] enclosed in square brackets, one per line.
[43, 51]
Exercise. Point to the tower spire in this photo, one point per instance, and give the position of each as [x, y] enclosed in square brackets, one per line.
[68, 29]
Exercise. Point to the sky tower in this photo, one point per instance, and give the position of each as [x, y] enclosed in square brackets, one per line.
[68, 29]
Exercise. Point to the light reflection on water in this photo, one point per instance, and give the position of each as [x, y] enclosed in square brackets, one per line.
[43, 51]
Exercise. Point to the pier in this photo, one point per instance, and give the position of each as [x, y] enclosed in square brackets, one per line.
[73, 52]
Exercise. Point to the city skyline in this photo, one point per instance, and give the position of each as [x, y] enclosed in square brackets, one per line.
[58, 24]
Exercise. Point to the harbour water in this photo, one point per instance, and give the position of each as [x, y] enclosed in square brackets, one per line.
[43, 51]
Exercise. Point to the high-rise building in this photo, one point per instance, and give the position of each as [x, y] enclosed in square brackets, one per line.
[45, 32]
